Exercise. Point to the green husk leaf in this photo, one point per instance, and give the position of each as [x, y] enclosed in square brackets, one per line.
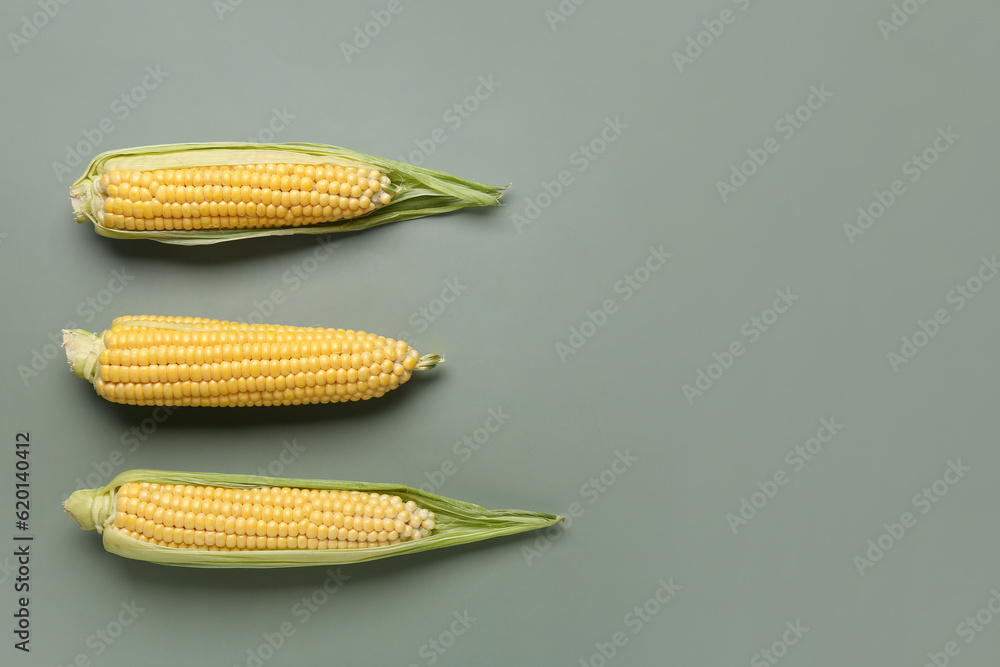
[419, 191]
[457, 522]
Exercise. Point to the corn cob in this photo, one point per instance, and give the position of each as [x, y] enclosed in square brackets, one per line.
[217, 520]
[199, 362]
[206, 193]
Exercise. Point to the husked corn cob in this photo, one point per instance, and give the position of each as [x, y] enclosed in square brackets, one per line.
[214, 520]
[155, 360]
[206, 193]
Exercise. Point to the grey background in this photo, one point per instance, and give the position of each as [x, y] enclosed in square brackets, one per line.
[664, 518]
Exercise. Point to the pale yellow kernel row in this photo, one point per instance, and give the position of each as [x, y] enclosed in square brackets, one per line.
[181, 361]
[187, 365]
[349, 528]
[141, 331]
[144, 186]
[123, 349]
[254, 205]
[250, 353]
[193, 354]
[207, 517]
[284, 373]
[255, 399]
[311, 356]
[114, 377]
[261, 503]
[148, 490]
[206, 324]
[199, 540]
[222, 222]
[155, 340]
[152, 215]
[248, 392]
[239, 174]
[257, 186]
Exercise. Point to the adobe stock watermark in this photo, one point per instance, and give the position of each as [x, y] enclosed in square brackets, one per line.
[103, 637]
[699, 42]
[967, 630]
[369, 31]
[794, 631]
[87, 309]
[276, 124]
[562, 12]
[291, 281]
[914, 168]
[751, 330]
[105, 468]
[121, 108]
[796, 458]
[302, 611]
[421, 318]
[786, 126]
[627, 286]
[454, 117]
[584, 156]
[957, 297]
[590, 492]
[291, 450]
[32, 24]
[635, 620]
[8, 568]
[899, 16]
[465, 448]
[435, 647]
[923, 502]
[223, 7]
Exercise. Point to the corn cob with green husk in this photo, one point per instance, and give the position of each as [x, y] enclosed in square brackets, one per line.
[193, 194]
[157, 360]
[217, 520]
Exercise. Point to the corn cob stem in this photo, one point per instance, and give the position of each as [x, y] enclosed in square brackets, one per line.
[83, 350]
[216, 520]
[428, 361]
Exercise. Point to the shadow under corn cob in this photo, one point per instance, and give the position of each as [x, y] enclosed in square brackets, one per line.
[191, 194]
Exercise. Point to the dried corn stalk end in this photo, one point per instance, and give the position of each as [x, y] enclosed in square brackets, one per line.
[83, 351]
